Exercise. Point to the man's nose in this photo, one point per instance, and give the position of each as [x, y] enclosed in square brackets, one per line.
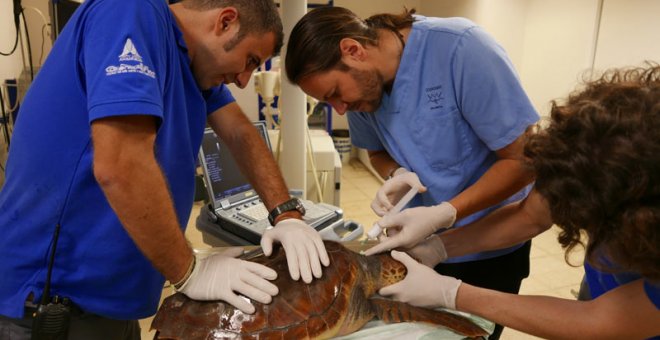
[243, 78]
[339, 106]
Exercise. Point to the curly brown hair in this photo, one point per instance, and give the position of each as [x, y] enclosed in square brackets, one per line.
[598, 166]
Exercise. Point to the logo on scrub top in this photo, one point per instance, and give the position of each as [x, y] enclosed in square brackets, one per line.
[129, 53]
[434, 96]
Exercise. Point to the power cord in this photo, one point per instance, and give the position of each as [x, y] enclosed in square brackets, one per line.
[19, 12]
[29, 47]
[17, 6]
[5, 119]
[43, 29]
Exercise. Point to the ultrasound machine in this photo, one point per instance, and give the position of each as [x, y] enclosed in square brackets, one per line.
[235, 215]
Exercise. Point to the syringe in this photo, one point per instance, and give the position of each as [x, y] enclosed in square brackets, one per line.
[376, 229]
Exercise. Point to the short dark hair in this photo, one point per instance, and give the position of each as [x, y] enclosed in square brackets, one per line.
[254, 16]
[314, 42]
[598, 166]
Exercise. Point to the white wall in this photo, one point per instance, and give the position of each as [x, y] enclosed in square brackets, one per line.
[554, 43]
[247, 99]
[503, 19]
[629, 33]
[366, 8]
[558, 48]
[10, 67]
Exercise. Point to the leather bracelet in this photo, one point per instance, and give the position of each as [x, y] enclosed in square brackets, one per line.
[185, 277]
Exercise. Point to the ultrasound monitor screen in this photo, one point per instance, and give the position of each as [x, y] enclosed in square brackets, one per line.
[223, 174]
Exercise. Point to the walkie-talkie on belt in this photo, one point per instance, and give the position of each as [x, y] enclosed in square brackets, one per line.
[51, 320]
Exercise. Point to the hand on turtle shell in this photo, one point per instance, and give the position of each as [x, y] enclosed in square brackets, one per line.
[394, 189]
[422, 286]
[221, 277]
[414, 225]
[303, 245]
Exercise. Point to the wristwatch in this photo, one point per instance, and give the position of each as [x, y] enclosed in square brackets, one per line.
[292, 204]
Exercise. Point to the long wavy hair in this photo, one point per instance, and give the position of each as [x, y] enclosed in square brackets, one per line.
[598, 166]
[314, 42]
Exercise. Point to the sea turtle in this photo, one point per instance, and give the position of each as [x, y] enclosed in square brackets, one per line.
[339, 303]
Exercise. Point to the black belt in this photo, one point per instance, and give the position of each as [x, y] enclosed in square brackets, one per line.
[30, 309]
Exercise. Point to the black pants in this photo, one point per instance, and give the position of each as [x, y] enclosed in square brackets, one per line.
[83, 326]
[504, 274]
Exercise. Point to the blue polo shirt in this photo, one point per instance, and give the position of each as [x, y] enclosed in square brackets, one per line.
[455, 100]
[114, 58]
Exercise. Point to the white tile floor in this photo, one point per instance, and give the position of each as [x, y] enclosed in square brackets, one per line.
[549, 275]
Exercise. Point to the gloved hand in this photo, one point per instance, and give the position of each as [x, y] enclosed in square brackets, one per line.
[422, 286]
[414, 224]
[303, 245]
[429, 252]
[393, 189]
[222, 276]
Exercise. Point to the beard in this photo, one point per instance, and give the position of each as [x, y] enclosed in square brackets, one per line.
[371, 84]
[205, 68]
[202, 66]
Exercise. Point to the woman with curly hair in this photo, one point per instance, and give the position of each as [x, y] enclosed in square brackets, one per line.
[597, 169]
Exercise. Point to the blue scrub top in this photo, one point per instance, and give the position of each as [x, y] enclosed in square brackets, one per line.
[114, 58]
[455, 100]
[600, 282]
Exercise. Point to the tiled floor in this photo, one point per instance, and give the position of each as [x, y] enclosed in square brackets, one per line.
[550, 275]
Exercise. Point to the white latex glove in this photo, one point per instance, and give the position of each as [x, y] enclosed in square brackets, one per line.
[429, 252]
[414, 225]
[222, 276]
[422, 286]
[303, 245]
[393, 189]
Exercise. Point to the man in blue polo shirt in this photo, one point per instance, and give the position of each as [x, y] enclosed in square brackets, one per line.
[100, 175]
[437, 104]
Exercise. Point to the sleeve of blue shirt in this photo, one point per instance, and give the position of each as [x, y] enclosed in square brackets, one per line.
[363, 132]
[123, 59]
[489, 92]
[217, 97]
[653, 292]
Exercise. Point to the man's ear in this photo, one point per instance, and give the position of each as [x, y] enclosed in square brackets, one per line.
[226, 19]
[352, 49]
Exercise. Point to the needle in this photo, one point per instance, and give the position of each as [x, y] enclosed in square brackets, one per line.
[376, 229]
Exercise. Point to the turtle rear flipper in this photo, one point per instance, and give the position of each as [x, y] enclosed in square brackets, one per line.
[392, 312]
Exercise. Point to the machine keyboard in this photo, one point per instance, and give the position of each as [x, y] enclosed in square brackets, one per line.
[259, 212]
[313, 212]
[256, 212]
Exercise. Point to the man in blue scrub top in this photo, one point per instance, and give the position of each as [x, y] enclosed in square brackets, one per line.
[102, 162]
[435, 102]
[597, 171]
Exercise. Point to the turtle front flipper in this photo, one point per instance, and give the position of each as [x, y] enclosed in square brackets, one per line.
[392, 312]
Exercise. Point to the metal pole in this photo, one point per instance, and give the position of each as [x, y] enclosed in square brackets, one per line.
[292, 110]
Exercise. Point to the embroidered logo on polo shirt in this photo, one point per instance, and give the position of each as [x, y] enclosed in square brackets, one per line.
[130, 54]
